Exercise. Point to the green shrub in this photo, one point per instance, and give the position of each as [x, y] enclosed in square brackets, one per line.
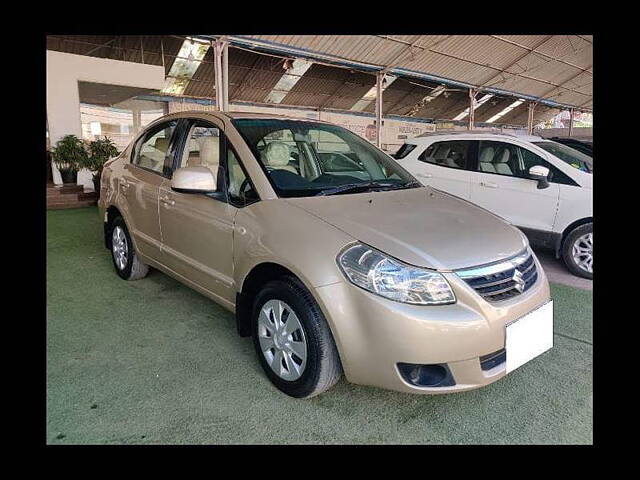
[100, 151]
[69, 153]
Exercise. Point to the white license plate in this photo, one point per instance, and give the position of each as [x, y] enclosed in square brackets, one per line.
[529, 336]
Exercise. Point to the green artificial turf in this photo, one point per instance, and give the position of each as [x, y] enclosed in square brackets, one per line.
[154, 362]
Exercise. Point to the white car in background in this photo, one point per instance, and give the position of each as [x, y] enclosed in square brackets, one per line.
[541, 186]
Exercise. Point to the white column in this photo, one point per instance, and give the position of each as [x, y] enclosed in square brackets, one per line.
[225, 75]
[221, 67]
[531, 107]
[379, 78]
[571, 111]
[472, 108]
[65, 70]
[137, 119]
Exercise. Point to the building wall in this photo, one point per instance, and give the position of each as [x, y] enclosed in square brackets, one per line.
[64, 70]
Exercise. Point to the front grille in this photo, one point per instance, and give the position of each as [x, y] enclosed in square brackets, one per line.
[503, 280]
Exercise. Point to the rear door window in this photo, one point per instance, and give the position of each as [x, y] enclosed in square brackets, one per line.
[451, 154]
[152, 149]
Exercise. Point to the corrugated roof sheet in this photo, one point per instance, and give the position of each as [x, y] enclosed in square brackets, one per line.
[557, 67]
[129, 48]
[328, 87]
[530, 65]
[519, 115]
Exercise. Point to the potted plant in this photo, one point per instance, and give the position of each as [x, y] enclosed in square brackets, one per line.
[68, 155]
[100, 151]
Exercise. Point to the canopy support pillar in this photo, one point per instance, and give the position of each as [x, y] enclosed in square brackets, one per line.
[379, 79]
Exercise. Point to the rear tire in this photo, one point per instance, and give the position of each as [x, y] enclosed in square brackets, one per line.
[303, 362]
[125, 259]
[577, 251]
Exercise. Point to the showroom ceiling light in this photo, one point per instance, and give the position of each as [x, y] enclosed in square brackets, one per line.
[478, 104]
[295, 69]
[185, 66]
[502, 113]
[370, 96]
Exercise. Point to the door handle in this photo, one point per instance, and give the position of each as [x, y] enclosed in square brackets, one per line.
[167, 201]
[488, 184]
[424, 175]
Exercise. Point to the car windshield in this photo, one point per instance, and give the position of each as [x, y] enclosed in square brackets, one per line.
[568, 155]
[304, 158]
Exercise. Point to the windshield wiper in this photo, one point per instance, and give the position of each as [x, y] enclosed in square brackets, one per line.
[353, 187]
[412, 184]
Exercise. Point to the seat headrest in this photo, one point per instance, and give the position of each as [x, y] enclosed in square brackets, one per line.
[193, 160]
[161, 144]
[442, 153]
[486, 155]
[504, 158]
[209, 151]
[276, 154]
[455, 159]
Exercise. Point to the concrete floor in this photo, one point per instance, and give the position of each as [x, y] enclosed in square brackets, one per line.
[154, 362]
[557, 271]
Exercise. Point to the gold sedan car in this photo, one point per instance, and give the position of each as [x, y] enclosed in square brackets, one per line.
[331, 255]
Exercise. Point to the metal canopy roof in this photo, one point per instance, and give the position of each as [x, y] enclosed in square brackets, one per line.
[553, 70]
[556, 70]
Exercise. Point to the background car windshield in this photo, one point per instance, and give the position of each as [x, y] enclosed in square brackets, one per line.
[568, 155]
[304, 158]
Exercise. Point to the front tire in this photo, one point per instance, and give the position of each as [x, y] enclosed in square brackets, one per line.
[125, 259]
[293, 340]
[577, 251]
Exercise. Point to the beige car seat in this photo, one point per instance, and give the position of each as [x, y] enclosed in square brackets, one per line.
[454, 159]
[276, 155]
[193, 159]
[154, 157]
[209, 155]
[236, 174]
[486, 157]
[501, 164]
[161, 144]
[441, 154]
[193, 154]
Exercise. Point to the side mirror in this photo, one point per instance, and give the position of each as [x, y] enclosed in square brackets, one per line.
[541, 174]
[194, 180]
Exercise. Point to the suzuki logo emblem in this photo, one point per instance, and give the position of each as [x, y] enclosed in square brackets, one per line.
[519, 281]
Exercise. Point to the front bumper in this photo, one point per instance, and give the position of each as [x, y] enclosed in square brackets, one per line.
[374, 334]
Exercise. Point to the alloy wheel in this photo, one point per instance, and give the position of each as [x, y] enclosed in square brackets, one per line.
[582, 252]
[282, 340]
[119, 247]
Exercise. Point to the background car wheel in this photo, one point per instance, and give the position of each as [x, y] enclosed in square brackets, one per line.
[125, 259]
[293, 340]
[577, 251]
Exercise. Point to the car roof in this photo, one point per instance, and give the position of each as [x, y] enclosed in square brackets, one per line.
[236, 115]
[583, 141]
[428, 137]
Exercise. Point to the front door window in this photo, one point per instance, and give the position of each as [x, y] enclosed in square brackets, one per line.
[501, 184]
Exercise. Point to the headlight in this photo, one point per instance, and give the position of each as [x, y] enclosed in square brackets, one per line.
[390, 278]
